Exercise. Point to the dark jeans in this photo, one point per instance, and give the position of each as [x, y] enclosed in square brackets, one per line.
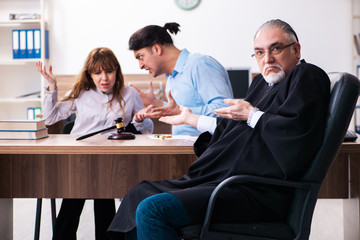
[67, 221]
[159, 217]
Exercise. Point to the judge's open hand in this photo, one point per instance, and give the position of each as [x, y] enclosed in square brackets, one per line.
[239, 110]
[142, 114]
[185, 117]
[169, 110]
[148, 97]
[49, 76]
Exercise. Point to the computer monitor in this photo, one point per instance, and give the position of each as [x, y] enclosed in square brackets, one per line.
[239, 79]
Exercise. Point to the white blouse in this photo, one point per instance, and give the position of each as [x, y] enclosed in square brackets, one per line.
[93, 113]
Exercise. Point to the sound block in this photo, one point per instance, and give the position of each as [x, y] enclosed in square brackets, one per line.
[121, 136]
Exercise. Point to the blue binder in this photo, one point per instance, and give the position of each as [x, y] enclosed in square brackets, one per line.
[37, 43]
[16, 44]
[30, 53]
[47, 52]
[30, 113]
[357, 119]
[22, 43]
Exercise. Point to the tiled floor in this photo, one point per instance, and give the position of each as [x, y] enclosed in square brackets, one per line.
[327, 220]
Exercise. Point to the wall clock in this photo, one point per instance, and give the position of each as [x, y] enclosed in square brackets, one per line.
[187, 4]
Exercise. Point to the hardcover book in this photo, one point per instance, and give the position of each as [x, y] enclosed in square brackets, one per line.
[24, 134]
[32, 125]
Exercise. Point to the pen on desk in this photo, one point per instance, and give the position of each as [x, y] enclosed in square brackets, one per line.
[92, 134]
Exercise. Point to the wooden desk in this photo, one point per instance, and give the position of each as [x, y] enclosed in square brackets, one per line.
[343, 182]
[61, 167]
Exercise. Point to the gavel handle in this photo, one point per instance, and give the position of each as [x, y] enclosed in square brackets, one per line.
[92, 134]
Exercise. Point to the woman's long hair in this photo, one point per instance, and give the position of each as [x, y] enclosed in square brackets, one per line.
[98, 58]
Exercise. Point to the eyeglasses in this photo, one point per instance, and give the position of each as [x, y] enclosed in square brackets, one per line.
[275, 50]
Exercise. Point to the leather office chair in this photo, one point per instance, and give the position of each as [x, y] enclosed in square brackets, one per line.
[68, 125]
[344, 94]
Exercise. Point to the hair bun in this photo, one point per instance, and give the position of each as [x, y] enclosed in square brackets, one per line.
[173, 27]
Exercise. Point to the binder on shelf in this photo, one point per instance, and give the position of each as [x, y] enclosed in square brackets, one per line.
[30, 43]
[34, 113]
[30, 113]
[47, 52]
[26, 43]
[37, 43]
[357, 44]
[15, 44]
[37, 112]
[22, 43]
[357, 119]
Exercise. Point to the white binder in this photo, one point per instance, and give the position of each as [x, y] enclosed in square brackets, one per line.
[30, 43]
[23, 43]
[37, 43]
[15, 44]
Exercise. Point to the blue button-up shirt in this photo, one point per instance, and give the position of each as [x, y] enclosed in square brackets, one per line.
[200, 83]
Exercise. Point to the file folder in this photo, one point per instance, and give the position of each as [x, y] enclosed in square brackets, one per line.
[37, 112]
[37, 43]
[47, 44]
[30, 113]
[357, 119]
[34, 113]
[15, 44]
[22, 43]
[30, 43]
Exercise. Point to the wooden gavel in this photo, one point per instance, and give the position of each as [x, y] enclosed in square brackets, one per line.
[121, 131]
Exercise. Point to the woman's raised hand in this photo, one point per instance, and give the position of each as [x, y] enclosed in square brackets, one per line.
[49, 76]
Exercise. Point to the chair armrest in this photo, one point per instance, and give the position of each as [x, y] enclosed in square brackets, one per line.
[311, 188]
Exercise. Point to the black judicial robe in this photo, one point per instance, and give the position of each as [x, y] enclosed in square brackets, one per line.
[283, 143]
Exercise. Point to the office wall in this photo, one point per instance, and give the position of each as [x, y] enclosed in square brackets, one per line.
[223, 29]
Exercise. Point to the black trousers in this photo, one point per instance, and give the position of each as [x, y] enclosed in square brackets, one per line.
[67, 221]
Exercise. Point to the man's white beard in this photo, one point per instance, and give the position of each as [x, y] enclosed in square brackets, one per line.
[274, 77]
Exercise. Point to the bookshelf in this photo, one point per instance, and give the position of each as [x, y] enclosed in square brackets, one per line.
[19, 76]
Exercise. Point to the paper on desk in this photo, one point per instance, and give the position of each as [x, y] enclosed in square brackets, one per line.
[169, 137]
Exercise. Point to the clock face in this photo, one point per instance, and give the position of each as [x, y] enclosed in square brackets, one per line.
[187, 4]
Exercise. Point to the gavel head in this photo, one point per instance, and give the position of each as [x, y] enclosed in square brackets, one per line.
[119, 124]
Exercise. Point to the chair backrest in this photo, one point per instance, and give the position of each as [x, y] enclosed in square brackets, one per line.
[69, 124]
[343, 97]
[345, 89]
[344, 94]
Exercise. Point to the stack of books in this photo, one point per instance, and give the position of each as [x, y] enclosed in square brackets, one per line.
[23, 129]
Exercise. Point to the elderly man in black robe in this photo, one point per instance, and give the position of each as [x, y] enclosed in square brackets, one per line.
[274, 132]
